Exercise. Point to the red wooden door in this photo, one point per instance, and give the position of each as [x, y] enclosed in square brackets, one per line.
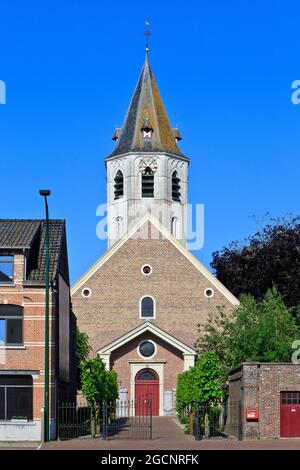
[290, 414]
[146, 389]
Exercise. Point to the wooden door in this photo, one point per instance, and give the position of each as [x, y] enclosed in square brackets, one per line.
[146, 389]
[290, 414]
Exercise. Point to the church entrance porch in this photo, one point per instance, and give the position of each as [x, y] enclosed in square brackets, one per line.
[146, 388]
[148, 360]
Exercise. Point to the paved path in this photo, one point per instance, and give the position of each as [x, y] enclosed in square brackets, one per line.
[168, 435]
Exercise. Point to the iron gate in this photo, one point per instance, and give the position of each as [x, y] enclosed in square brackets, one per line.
[218, 421]
[73, 421]
[127, 420]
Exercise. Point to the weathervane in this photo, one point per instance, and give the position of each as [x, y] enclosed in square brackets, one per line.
[147, 34]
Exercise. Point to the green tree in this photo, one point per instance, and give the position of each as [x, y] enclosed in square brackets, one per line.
[270, 256]
[203, 384]
[98, 384]
[82, 346]
[82, 352]
[259, 331]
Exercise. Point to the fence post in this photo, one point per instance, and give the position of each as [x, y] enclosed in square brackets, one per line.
[150, 419]
[197, 434]
[104, 420]
[240, 429]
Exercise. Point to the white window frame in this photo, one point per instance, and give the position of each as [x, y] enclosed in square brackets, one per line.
[86, 296]
[154, 308]
[150, 341]
[209, 296]
[147, 274]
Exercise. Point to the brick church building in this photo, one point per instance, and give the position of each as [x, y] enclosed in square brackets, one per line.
[141, 302]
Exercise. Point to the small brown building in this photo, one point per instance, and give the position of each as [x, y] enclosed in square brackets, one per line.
[270, 397]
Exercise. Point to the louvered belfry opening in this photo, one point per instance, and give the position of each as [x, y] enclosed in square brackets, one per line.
[119, 185]
[175, 187]
[148, 183]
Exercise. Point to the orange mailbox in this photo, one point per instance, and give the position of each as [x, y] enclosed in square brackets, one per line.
[252, 414]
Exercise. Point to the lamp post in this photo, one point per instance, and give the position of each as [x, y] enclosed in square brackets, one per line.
[44, 193]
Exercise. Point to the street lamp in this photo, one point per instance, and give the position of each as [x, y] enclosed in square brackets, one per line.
[45, 193]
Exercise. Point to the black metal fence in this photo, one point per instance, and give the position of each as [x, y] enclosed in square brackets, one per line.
[73, 421]
[218, 421]
[130, 420]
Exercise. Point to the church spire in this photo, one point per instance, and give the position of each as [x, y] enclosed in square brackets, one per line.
[146, 107]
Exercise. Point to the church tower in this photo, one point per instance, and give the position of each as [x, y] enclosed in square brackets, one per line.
[146, 172]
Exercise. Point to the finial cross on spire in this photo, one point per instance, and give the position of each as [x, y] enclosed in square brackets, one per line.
[147, 34]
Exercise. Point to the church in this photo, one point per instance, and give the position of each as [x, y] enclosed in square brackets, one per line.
[142, 301]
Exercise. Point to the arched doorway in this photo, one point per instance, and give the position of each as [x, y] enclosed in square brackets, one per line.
[146, 388]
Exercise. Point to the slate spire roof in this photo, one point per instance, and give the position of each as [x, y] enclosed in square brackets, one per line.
[146, 106]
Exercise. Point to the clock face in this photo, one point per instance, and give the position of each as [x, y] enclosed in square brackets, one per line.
[148, 162]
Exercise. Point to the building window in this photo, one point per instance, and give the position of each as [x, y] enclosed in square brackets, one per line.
[147, 307]
[208, 292]
[146, 374]
[86, 292]
[11, 325]
[16, 397]
[174, 227]
[120, 226]
[175, 187]
[148, 182]
[119, 185]
[147, 349]
[290, 398]
[147, 269]
[6, 269]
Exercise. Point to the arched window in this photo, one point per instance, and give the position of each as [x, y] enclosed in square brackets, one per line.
[119, 221]
[174, 226]
[147, 307]
[148, 182]
[11, 324]
[175, 187]
[119, 185]
[146, 374]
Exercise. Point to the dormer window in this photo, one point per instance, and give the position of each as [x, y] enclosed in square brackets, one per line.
[147, 134]
[6, 269]
[147, 130]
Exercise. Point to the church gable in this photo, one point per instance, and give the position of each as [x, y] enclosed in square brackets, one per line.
[178, 284]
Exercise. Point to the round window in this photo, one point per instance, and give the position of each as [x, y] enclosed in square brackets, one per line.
[86, 292]
[146, 269]
[208, 292]
[147, 348]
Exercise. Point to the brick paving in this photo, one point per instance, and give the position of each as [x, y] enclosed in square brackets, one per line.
[168, 435]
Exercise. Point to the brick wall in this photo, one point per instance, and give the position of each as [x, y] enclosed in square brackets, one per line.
[259, 386]
[31, 356]
[177, 286]
[173, 361]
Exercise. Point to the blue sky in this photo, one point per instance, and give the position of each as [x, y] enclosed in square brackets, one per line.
[224, 70]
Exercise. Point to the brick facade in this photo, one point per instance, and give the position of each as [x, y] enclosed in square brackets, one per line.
[113, 308]
[28, 358]
[117, 287]
[259, 386]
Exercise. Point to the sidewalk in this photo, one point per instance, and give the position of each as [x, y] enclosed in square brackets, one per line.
[168, 435]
